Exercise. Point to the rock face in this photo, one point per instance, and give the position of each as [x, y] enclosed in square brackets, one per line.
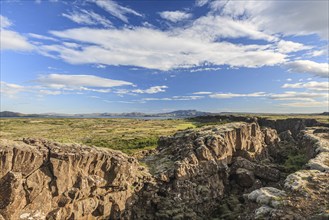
[192, 170]
[45, 180]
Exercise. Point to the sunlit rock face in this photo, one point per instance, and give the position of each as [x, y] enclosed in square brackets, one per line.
[46, 180]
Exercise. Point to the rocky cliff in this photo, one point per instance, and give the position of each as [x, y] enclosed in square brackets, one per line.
[236, 170]
[46, 180]
[192, 169]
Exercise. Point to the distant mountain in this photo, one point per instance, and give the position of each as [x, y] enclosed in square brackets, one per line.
[10, 114]
[183, 113]
[174, 114]
[17, 114]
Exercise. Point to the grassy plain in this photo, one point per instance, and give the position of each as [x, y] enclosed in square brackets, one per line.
[127, 135]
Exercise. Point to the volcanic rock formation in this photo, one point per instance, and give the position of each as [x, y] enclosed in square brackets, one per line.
[237, 170]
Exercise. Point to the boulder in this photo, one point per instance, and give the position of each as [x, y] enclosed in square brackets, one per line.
[244, 177]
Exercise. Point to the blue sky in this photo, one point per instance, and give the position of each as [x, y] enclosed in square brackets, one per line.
[161, 55]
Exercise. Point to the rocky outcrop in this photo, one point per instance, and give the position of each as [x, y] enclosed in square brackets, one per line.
[46, 180]
[306, 192]
[192, 169]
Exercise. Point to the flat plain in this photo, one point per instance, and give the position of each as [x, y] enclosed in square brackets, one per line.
[127, 135]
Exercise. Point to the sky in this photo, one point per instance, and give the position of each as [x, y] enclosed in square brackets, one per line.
[163, 55]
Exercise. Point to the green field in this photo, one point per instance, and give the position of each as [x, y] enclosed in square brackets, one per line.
[127, 135]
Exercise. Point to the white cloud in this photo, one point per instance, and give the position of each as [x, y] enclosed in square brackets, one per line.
[41, 37]
[58, 84]
[290, 46]
[157, 50]
[11, 40]
[62, 81]
[10, 89]
[317, 53]
[307, 104]
[286, 96]
[313, 85]
[100, 66]
[237, 95]
[201, 3]
[175, 16]
[174, 98]
[212, 27]
[302, 18]
[289, 79]
[151, 90]
[302, 96]
[88, 17]
[205, 69]
[4, 22]
[115, 9]
[311, 67]
[202, 93]
[50, 92]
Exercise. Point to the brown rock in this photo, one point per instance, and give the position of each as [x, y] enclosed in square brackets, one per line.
[42, 179]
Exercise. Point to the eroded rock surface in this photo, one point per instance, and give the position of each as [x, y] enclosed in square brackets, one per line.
[46, 180]
[192, 169]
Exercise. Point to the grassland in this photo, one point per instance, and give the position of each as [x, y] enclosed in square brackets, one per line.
[127, 135]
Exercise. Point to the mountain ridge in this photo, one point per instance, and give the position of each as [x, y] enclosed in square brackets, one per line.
[178, 113]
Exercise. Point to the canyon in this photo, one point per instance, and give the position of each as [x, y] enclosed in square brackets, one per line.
[242, 168]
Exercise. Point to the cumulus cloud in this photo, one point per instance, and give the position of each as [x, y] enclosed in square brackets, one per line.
[88, 18]
[157, 50]
[308, 66]
[115, 9]
[313, 85]
[175, 16]
[304, 18]
[11, 40]
[290, 46]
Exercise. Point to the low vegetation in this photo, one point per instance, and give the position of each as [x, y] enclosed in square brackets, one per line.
[127, 135]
